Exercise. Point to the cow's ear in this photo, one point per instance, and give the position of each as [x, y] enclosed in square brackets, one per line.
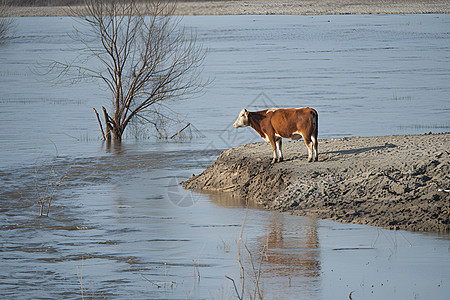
[246, 112]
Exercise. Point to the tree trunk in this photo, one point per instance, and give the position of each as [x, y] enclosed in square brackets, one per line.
[108, 125]
[100, 123]
[112, 126]
[117, 134]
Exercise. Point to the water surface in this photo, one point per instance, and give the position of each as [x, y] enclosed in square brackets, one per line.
[120, 226]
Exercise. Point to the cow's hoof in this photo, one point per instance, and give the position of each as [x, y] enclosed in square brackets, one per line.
[310, 160]
[280, 159]
[274, 161]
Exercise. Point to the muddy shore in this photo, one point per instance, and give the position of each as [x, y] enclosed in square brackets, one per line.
[279, 7]
[395, 182]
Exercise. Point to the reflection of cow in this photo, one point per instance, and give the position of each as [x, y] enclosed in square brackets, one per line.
[293, 247]
[274, 124]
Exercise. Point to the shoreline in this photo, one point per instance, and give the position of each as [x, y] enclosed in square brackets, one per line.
[276, 7]
[394, 182]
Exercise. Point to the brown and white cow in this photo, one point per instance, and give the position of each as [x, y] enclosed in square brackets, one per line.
[276, 123]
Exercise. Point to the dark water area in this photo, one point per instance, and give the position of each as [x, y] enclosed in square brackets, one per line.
[120, 226]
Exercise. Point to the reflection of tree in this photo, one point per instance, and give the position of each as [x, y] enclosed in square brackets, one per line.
[292, 253]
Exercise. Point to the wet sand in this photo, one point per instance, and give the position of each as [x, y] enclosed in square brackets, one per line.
[395, 182]
[279, 7]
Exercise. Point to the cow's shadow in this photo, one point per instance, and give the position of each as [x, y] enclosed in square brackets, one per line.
[360, 150]
[333, 155]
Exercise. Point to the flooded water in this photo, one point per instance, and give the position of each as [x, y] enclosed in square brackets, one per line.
[120, 226]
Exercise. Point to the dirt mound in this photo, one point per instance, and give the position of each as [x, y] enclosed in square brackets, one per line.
[396, 182]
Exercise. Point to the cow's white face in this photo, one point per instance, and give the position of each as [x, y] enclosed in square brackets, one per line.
[242, 120]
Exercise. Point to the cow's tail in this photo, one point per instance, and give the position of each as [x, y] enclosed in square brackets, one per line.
[315, 124]
[315, 134]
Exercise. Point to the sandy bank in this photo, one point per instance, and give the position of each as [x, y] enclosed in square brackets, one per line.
[395, 182]
[279, 7]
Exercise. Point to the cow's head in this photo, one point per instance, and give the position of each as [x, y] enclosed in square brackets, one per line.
[242, 120]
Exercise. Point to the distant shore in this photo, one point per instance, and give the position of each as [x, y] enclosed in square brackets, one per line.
[395, 182]
[276, 7]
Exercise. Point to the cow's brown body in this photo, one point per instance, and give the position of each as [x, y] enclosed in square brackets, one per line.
[275, 124]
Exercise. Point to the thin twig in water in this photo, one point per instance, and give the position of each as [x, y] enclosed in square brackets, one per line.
[198, 271]
[42, 200]
[256, 274]
[239, 252]
[196, 262]
[155, 284]
[259, 274]
[241, 267]
[234, 284]
[36, 171]
[57, 182]
[180, 131]
[410, 245]
[81, 278]
[165, 274]
[100, 123]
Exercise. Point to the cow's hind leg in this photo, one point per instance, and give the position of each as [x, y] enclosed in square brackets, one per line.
[309, 145]
[279, 153]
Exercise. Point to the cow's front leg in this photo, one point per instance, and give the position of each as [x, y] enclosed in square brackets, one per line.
[279, 153]
[274, 148]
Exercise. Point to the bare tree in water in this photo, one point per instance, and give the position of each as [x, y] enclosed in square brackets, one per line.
[143, 55]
